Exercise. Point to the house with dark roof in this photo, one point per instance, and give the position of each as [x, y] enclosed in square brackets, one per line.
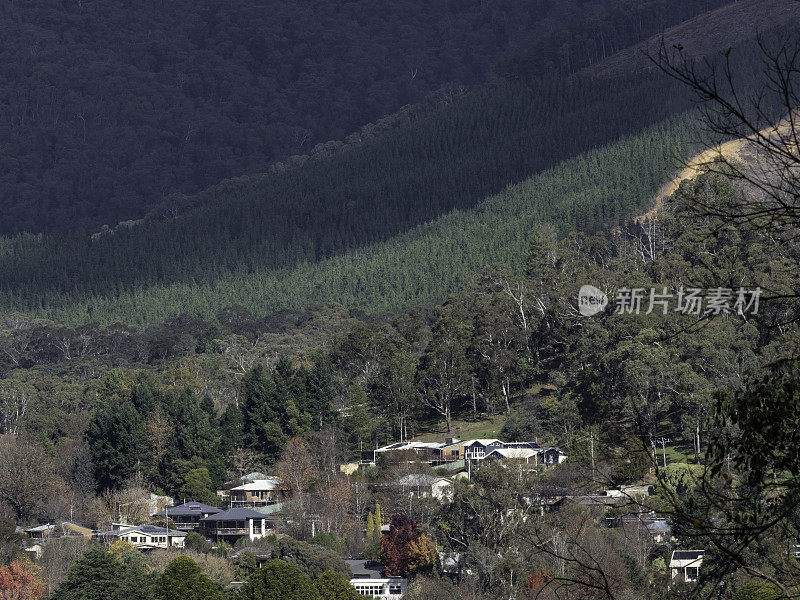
[186, 516]
[478, 449]
[232, 524]
[685, 565]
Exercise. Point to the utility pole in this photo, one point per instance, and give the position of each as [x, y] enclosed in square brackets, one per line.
[663, 441]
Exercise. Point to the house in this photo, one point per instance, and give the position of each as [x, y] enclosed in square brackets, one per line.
[685, 565]
[651, 524]
[451, 451]
[478, 449]
[259, 492]
[368, 580]
[225, 492]
[261, 555]
[522, 452]
[424, 451]
[235, 523]
[40, 532]
[145, 537]
[186, 516]
[424, 486]
[551, 456]
[518, 455]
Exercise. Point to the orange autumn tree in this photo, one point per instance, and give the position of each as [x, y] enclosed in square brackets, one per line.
[421, 553]
[18, 581]
[406, 549]
[538, 583]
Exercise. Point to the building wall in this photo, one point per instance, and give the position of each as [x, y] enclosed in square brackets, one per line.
[159, 541]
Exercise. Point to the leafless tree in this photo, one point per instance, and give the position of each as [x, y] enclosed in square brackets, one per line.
[764, 121]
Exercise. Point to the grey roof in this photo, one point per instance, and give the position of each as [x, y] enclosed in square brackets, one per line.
[236, 514]
[40, 528]
[657, 526]
[146, 529]
[189, 509]
[261, 553]
[688, 554]
[418, 479]
[365, 569]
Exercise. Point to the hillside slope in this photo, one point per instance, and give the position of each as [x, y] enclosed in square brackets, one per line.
[707, 33]
[429, 261]
[317, 225]
[107, 108]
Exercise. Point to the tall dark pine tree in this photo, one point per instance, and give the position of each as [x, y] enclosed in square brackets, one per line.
[117, 444]
[261, 417]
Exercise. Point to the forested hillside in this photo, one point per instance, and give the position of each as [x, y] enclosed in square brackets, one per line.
[96, 417]
[451, 159]
[427, 262]
[106, 108]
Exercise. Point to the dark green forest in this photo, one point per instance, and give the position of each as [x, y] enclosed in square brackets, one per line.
[449, 160]
[109, 108]
[424, 264]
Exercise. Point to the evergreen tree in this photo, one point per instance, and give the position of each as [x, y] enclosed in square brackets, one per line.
[278, 580]
[183, 580]
[98, 575]
[332, 586]
[197, 486]
[117, 443]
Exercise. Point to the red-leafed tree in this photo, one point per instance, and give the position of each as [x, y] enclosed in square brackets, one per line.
[18, 582]
[398, 546]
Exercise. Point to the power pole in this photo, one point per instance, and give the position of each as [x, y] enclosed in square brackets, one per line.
[663, 441]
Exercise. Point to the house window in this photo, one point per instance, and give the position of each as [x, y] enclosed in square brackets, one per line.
[395, 588]
[134, 540]
[257, 527]
[691, 573]
[370, 590]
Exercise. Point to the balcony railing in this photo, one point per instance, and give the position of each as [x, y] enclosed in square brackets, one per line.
[230, 531]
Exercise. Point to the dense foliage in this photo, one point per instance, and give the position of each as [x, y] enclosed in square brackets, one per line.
[412, 268]
[108, 108]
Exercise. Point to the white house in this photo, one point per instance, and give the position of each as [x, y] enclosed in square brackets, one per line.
[423, 486]
[523, 452]
[478, 449]
[259, 492]
[522, 455]
[369, 581]
[146, 537]
[685, 564]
